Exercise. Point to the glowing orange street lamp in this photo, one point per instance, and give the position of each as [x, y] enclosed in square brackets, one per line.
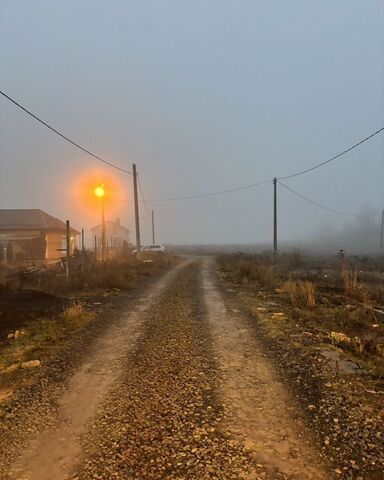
[99, 192]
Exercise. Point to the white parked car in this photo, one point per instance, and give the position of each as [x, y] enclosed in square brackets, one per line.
[154, 248]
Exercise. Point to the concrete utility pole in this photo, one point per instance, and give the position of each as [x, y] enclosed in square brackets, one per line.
[136, 200]
[382, 231]
[275, 214]
[153, 227]
[68, 248]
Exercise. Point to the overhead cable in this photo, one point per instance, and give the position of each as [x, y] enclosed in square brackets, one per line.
[62, 135]
[320, 205]
[210, 194]
[334, 157]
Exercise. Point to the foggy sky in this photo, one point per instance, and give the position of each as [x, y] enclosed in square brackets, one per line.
[202, 95]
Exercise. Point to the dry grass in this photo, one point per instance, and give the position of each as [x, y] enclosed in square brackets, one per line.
[327, 295]
[254, 271]
[113, 274]
[353, 288]
[300, 293]
[308, 293]
[40, 336]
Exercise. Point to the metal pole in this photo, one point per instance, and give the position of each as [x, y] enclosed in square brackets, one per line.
[275, 214]
[136, 201]
[153, 227]
[103, 239]
[382, 231]
[68, 249]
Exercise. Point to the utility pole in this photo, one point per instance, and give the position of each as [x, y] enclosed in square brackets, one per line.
[275, 215]
[382, 231]
[95, 242]
[136, 200]
[67, 248]
[153, 226]
[103, 237]
[82, 241]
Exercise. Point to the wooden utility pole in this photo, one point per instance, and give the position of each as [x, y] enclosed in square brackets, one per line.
[153, 226]
[275, 214]
[82, 241]
[136, 200]
[67, 248]
[103, 237]
[382, 231]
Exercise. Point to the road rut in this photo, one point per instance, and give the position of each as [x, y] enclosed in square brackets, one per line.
[259, 412]
[177, 389]
[55, 454]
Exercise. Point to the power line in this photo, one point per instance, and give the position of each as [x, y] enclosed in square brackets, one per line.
[62, 135]
[334, 157]
[142, 195]
[319, 204]
[210, 194]
[186, 197]
[220, 192]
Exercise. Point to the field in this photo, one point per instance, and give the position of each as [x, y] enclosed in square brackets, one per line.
[340, 298]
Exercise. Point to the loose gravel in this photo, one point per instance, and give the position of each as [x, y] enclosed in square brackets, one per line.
[34, 406]
[163, 420]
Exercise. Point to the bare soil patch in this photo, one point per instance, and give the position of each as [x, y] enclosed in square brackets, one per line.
[19, 306]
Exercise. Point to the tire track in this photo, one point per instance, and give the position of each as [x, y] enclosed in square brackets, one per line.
[259, 412]
[163, 420]
[55, 454]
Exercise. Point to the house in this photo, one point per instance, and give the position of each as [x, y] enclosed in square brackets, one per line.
[32, 234]
[115, 234]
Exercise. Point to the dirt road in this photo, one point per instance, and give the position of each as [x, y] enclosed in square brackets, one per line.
[176, 388]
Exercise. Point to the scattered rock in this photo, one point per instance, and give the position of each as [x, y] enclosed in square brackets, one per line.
[5, 394]
[31, 364]
[18, 334]
[11, 368]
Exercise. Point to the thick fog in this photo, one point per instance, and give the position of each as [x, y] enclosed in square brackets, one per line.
[203, 96]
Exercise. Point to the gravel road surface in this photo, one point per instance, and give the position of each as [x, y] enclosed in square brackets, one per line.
[175, 388]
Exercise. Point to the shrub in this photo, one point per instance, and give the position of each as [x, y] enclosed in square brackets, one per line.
[112, 274]
[352, 287]
[300, 293]
[253, 270]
